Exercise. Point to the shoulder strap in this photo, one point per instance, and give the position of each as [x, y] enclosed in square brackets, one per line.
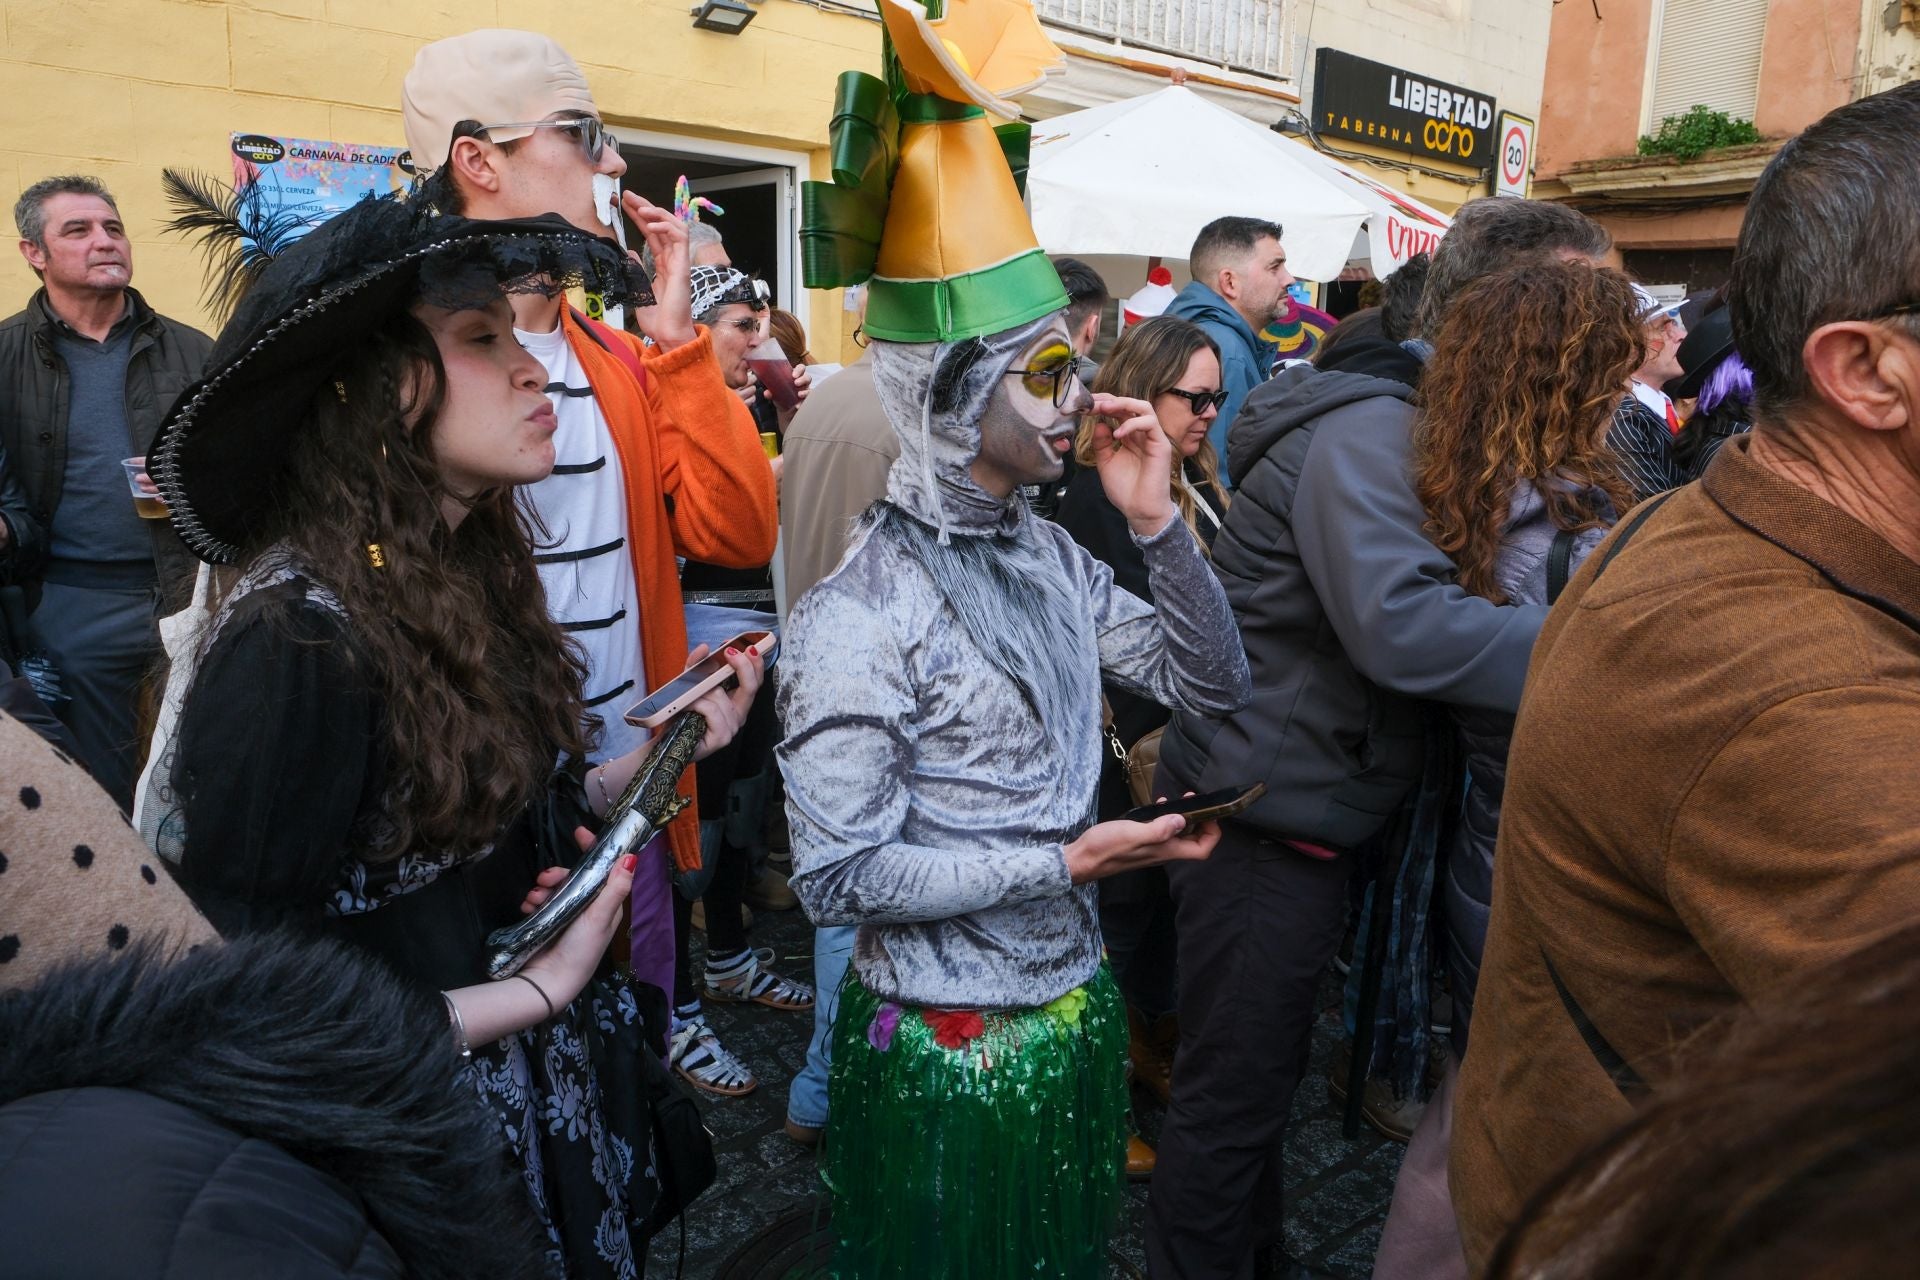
[1633, 527]
[1559, 564]
[613, 343]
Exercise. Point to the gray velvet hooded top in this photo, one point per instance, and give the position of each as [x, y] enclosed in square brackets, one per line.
[941, 700]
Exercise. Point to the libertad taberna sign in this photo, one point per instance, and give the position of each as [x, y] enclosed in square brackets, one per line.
[1389, 107]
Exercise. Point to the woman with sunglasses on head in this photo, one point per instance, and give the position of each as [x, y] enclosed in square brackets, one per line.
[1174, 366]
[368, 749]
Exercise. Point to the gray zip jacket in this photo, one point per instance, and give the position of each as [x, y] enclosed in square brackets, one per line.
[927, 801]
[1349, 613]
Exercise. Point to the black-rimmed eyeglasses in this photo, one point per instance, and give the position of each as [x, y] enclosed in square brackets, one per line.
[1050, 376]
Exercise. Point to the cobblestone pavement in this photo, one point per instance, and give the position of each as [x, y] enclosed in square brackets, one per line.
[1337, 1191]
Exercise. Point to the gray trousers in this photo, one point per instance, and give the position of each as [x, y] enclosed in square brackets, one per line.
[103, 642]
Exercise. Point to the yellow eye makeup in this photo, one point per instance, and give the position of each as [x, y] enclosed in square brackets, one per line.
[1050, 372]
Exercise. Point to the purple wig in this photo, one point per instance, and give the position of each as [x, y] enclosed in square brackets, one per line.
[1730, 380]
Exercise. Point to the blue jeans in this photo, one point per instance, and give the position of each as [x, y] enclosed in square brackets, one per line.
[807, 1096]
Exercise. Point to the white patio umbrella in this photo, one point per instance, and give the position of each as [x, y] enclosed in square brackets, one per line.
[1397, 227]
[1140, 177]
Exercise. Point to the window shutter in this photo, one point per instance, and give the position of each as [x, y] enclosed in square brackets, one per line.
[1709, 55]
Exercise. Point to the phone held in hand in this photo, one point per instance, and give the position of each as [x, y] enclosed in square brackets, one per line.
[712, 671]
[1210, 807]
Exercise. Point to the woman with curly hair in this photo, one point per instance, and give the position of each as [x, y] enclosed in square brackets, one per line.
[1510, 461]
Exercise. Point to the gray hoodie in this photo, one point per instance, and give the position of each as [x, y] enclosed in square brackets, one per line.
[1348, 613]
[942, 710]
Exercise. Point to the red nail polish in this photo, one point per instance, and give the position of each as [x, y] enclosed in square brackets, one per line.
[732, 652]
[629, 862]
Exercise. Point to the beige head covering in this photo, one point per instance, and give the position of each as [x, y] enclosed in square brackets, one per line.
[75, 881]
[491, 76]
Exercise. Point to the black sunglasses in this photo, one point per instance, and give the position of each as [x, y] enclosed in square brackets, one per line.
[1199, 400]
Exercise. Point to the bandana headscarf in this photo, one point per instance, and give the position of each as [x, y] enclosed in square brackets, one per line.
[717, 286]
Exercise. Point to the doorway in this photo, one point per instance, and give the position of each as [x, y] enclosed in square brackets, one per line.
[756, 186]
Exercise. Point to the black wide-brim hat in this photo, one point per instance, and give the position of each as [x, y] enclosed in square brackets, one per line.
[224, 443]
[1701, 351]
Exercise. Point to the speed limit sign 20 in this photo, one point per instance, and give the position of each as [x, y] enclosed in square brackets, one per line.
[1514, 158]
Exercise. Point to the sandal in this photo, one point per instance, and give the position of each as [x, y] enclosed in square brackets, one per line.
[750, 982]
[697, 1054]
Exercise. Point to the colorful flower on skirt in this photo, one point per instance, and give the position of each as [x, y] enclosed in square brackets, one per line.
[1068, 1007]
[880, 1030]
[953, 1028]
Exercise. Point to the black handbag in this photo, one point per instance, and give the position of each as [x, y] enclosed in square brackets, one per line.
[682, 1146]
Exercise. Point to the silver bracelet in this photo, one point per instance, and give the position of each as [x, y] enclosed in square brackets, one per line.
[459, 1028]
[600, 777]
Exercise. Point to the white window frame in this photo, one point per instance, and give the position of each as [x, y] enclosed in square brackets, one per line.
[1655, 21]
[796, 163]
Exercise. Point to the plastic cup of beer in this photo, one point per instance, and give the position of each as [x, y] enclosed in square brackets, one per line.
[146, 498]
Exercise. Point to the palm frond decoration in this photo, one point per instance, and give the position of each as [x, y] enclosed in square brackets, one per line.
[238, 232]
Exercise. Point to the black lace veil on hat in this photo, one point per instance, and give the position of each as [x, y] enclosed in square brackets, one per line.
[311, 305]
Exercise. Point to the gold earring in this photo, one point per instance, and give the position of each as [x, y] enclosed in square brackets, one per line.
[376, 556]
[340, 390]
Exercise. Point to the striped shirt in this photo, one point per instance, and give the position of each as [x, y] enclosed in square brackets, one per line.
[585, 564]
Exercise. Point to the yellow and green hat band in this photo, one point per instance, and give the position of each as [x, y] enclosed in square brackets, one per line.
[990, 300]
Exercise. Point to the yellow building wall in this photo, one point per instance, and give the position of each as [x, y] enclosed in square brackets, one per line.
[1394, 170]
[124, 88]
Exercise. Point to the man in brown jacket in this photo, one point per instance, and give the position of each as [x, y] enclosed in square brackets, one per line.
[1713, 780]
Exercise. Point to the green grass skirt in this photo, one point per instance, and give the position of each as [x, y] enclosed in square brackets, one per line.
[1003, 1158]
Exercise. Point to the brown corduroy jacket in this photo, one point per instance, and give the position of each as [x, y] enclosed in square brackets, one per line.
[1714, 783]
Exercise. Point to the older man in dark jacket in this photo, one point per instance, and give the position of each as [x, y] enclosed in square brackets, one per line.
[1349, 615]
[87, 372]
[1711, 788]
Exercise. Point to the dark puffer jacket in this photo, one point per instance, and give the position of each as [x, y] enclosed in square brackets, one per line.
[264, 1108]
[35, 393]
[1346, 610]
[1522, 572]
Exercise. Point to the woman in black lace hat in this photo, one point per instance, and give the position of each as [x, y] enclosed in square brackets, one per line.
[380, 738]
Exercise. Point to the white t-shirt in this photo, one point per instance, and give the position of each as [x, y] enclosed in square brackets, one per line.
[587, 568]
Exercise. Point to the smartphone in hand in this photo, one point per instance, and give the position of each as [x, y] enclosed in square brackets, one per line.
[712, 671]
[1210, 807]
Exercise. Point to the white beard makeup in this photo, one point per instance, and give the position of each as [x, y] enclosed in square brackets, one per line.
[606, 205]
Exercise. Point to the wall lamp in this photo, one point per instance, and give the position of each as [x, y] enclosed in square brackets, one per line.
[722, 15]
[1293, 122]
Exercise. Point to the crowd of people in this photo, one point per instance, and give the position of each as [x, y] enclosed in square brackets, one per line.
[1569, 634]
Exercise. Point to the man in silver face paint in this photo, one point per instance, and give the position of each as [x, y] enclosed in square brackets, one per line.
[942, 709]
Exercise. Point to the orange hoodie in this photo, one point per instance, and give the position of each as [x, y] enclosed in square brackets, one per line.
[698, 485]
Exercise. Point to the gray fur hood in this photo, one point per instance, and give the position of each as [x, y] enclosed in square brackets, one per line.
[309, 1047]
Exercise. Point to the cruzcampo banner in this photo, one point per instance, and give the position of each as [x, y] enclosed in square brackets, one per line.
[315, 180]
